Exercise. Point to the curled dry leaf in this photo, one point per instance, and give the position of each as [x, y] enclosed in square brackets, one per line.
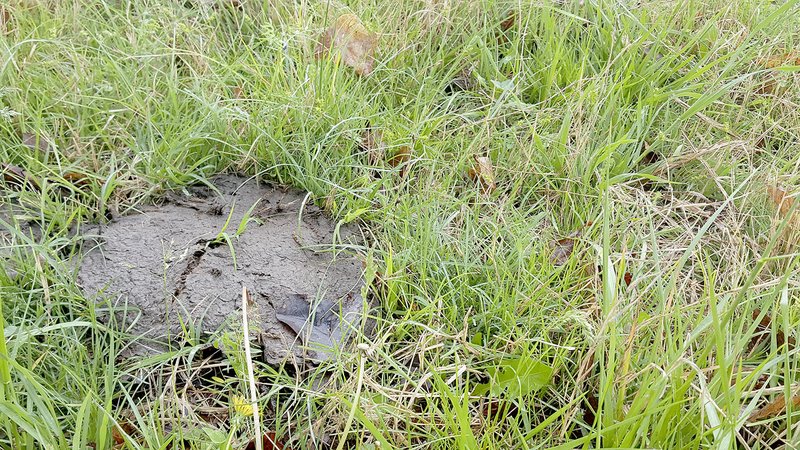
[77, 179]
[34, 142]
[791, 58]
[483, 171]
[765, 325]
[785, 202]
[5, 19]
[509, 21]
[562, 250]
[781, 199]
[17, 176]
[352, 42]
[118, 433]
[401, 159]
[774, 408]
[268, 442]
[628, 278]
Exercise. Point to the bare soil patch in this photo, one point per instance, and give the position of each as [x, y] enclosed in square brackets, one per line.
[178, 266]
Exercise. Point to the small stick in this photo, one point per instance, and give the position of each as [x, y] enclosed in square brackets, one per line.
[250, 372]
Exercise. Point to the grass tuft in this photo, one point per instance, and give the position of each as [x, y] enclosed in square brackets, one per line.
[648, 134]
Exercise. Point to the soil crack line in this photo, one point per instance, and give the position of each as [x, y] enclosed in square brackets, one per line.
[194, 261]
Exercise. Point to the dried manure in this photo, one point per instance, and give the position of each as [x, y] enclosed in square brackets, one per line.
[181, 266]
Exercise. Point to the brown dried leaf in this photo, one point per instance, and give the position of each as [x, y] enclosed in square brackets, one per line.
[562, 250]
[268, 442]
[351, 41]
[781, 199]
[401, 158]
[628, 278]
[372, 144]
[774, 408]
[118, 433]
[34, 142]
[509, 21]
[590, 408]
[784, 202]
[5, 20]
[767, 87]
[77, 179]
[791, 58]
[765, 324]
[17, 176]
[483, 171]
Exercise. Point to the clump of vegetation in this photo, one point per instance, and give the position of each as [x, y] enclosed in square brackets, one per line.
[581, 217]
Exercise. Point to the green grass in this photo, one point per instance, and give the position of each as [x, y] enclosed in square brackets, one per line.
[652, 128]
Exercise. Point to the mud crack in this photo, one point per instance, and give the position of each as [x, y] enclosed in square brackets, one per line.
[194, 261]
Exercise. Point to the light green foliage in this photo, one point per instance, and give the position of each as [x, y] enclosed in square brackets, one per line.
[650, 129]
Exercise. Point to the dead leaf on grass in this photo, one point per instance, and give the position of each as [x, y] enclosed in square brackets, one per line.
[509, 21]
[352, 42]
[765, 325]
[5, 19]
[118, 433]
[35, 142]
[781, 198]
[774, 408]
[401, 159]
[562, 249]
[785, 202]
[17, 176]
[483, 172]
[77, 179]
[628, 278]
[791, 58]
[268, 442]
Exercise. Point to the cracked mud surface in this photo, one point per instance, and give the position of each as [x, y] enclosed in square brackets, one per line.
[168, 266]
